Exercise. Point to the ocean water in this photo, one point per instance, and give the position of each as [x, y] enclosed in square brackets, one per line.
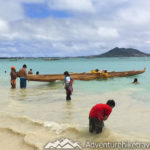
[32, 117]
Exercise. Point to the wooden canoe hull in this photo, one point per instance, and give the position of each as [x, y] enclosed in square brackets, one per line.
[82, 76]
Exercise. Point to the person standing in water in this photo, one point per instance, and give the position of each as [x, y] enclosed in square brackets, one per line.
[68, 85]
[13, 75]
[23, 76]
[98, 114]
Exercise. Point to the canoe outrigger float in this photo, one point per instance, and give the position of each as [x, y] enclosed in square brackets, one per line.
[83, 76]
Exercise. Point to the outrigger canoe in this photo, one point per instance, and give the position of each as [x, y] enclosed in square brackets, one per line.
[82, 76]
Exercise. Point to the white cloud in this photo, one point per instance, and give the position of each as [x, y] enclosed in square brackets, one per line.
[135, 16]
[31, 1]
[148, 42]
[11, 10]
[122, 23]
[4, 27]
[108, 33]
[72, 5]
[136, 13]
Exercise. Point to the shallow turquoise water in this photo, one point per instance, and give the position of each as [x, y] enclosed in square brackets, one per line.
[46, 101]
[85, 65]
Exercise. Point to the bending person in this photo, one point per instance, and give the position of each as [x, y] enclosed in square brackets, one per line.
[98, 114]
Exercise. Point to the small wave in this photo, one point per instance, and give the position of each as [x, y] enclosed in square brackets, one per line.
[59, 128]
[18, 142]
[35, 133]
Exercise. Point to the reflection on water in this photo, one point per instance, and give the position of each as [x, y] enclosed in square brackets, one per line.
[49, 85]
[68, 110]
[22, 94]
[19, 94]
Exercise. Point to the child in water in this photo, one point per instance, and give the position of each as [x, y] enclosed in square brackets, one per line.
[135, 81]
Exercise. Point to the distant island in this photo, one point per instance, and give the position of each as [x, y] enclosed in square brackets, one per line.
[115, 52]
[123, 52]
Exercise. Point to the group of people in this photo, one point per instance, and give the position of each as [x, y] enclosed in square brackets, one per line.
[22, 74]
[104, 73]
[30, 72]
[98, 114]
[69, 81]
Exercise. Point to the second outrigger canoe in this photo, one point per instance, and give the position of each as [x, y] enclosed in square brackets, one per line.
[82, 76]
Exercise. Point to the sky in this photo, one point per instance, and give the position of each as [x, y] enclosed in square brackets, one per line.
[58, 28]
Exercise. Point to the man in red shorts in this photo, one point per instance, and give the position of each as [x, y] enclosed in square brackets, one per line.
[98, 114]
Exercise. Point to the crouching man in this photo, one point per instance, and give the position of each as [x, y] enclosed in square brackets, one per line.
[98, 114]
